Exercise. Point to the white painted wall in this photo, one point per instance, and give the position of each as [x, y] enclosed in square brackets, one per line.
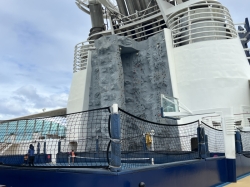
[171, 61]
[79, 92]
[212, 74]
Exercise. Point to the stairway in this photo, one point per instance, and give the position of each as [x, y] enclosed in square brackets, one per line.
[5, 146]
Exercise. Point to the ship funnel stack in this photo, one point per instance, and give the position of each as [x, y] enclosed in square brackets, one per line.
[96, 19]
[96, 14]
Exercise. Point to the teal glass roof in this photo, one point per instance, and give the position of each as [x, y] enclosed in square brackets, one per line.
[24, 129]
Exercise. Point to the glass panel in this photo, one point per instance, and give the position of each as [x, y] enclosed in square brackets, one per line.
[3, 131]
[12, 127]
[54, 129]
[39, 126]
[61, 130]
[46, 127]
[169, 104]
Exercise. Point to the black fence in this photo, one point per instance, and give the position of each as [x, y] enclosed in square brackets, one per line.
[245, 143]
[74, 140]
[148, 143]
[84, 140]
[215, 139]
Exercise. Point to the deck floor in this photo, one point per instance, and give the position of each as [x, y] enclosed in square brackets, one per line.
[245, 182]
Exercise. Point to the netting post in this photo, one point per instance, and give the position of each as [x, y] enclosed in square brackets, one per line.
[206, 145]
[44, 147]
[97, 144]
[38, 148]
[59, 146]
[201, 142]
[152, 133]
[238, 143]
[230, 154]
[115, 128]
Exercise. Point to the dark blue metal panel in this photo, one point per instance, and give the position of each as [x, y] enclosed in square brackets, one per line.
[231, 169]
[242, 165]
[202, 173]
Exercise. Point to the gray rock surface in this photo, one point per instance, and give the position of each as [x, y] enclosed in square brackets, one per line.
[131, 74]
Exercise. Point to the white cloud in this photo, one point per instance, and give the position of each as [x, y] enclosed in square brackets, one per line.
[37, 48]
[27, 100]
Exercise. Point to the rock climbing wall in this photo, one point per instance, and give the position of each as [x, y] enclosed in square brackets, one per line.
[132, 74]
[107, 82]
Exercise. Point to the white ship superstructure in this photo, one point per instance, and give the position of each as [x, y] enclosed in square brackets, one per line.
[207, 64]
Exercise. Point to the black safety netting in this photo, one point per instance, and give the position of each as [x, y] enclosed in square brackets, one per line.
[214, 139]
[145, 143]
[245, 140]
[73, 140]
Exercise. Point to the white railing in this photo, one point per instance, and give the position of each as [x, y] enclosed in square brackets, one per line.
[242, 119]
[81, 55]
[206, 20]
[213, 121]
[139, 15]
[144, 29]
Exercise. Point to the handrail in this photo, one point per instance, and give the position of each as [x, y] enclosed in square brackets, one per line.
[200, 18]
[202, 33]
[199, 23]
[188, 10]
[140, 26]
[210, 36]
[188, 22]
[177, 33]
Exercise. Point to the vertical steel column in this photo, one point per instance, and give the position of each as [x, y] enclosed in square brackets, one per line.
[115, 164]
[122, 7]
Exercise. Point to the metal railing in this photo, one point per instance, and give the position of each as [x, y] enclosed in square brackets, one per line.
[81, 55]
[203, 21]
[139, 15]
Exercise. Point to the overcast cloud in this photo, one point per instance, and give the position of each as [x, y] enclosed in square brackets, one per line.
[37, 40]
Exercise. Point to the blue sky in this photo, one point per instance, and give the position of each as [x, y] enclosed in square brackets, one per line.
[37, 40]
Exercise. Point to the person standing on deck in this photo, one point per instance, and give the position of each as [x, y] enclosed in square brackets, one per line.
[31, 154]
[72, 154]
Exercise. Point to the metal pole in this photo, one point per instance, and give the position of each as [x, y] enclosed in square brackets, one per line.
[152, 133]
[115, 164]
